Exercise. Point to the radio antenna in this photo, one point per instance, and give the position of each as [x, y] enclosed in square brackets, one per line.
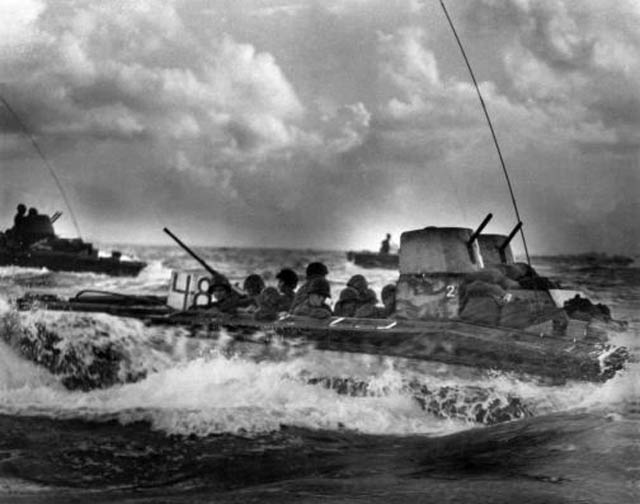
[49, 166]
[493, 133]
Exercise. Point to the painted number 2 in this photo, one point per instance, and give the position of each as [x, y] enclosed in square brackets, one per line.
[452, 291]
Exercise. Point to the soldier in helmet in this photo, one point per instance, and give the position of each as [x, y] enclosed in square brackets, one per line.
[314, 305]
[227, 300]
[366, 300]
[287, 283]
[253, 286]
[347, 303]
[268, 309]
[388, 296]
[314, 270]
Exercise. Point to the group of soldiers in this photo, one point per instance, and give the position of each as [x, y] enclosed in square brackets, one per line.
[30, 227]
[310, 299]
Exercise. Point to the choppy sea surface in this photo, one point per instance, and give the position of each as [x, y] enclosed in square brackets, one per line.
[209, 422]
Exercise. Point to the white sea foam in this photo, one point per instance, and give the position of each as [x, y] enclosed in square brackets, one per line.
[200, 390]
[18, 272]
[220, 394]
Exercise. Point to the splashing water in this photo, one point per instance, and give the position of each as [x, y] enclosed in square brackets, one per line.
[194, 386]
[201, 386]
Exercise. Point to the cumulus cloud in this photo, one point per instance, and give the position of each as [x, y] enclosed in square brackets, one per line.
[428, 117]
[312, 122]
[17, 18]
[107, 71]
[575, 66]
[577, 62]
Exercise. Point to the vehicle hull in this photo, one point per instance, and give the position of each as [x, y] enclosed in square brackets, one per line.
[374, 260]
[65, 261]
[453, 342]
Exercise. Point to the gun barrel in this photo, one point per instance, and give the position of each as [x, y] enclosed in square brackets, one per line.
[191, 252]
[511, 235]
[480, 228]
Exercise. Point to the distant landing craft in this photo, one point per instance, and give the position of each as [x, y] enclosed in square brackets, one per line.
[40, 247]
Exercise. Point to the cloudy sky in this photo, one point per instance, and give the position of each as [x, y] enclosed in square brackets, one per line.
[309, 123]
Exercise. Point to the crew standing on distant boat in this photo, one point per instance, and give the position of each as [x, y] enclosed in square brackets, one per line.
[19, 219]
[36, 227]
[31, 216]
[385, 246]
[19, 223]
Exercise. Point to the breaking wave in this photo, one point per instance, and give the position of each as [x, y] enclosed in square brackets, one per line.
[99, 367]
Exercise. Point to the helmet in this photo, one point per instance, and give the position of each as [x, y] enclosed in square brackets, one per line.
[219, 281]
[349, 294]
[269, 297]
[253, 284]
[358, 282]
[320, 286]
[388, 291]
[317, 269]
[288, 277]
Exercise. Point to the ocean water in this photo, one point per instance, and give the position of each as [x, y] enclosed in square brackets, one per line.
[188, 419]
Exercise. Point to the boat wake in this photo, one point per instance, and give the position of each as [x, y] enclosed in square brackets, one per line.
[101, 368]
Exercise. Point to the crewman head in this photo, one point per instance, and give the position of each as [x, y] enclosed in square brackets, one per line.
[287, 278]
[349, 294]
[317, 269]
[319, 290]
[220, 288]
[253, 285]
[359, 283]
[269, 298]
[348, 302]
[388, 296]
[22, 209]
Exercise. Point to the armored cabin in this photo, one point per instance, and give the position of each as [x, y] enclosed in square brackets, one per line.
[452, 273]
[433, 263]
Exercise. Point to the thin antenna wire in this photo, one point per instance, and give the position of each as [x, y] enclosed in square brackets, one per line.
[493, 134]
[26, 133]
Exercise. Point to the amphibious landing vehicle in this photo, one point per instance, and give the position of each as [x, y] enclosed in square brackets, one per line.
[37, 246]
[450, 308]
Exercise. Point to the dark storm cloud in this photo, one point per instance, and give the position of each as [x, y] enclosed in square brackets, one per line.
[325, 123]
